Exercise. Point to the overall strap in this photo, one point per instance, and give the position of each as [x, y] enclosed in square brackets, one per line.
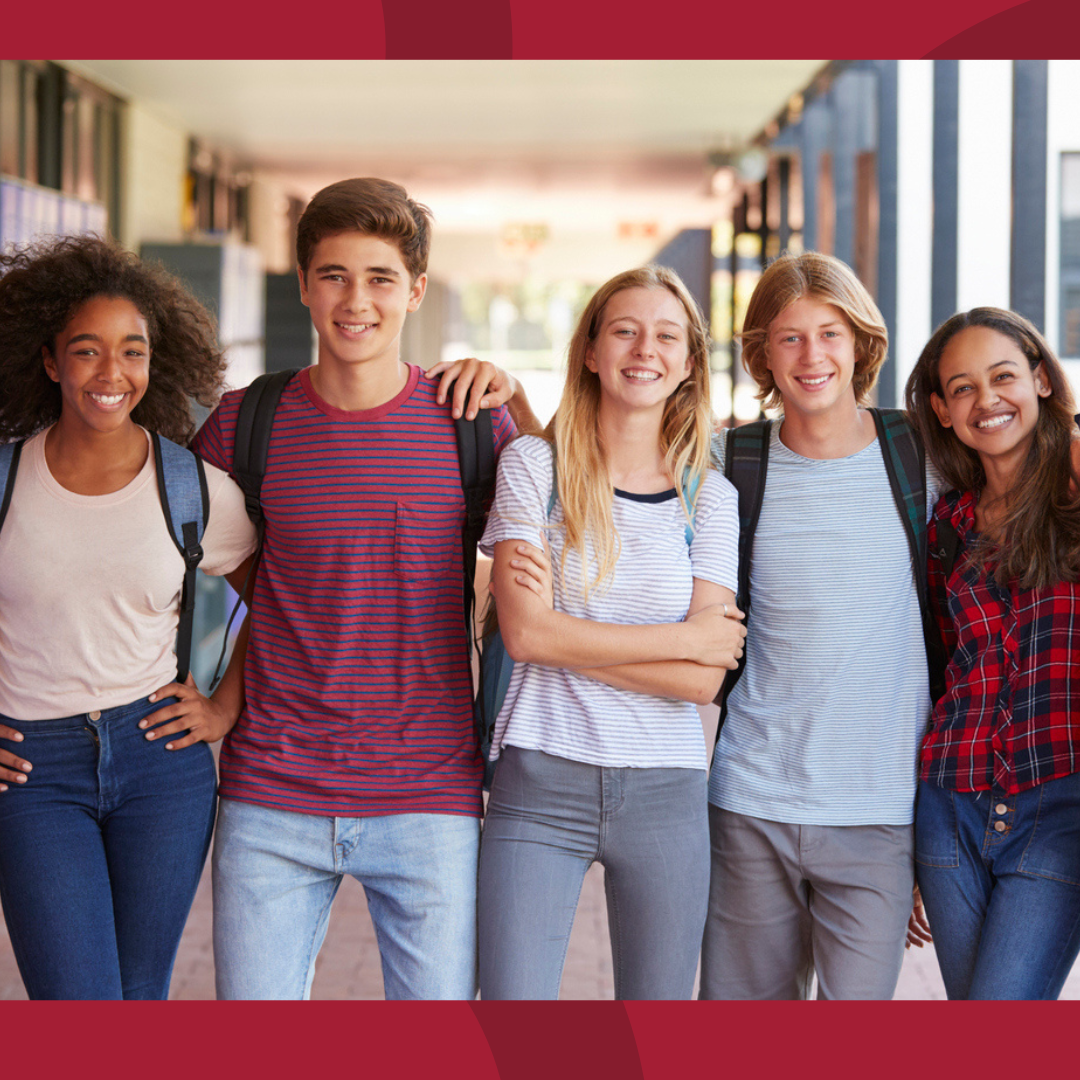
[9, 466]
[251, 439]
[185, 502]
[746, 463]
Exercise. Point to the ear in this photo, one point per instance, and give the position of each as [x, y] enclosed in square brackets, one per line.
[49, 361]
[1042, 381]
[416, 293]
[303, 286]
[688, 369]
[590, 358]
[941, 409]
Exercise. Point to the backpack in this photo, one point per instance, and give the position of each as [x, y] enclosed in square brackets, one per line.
[185, 502]
[476, 464]
[746, 460]
[497, 665]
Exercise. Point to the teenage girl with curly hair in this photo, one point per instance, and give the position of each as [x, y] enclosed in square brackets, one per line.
[104, 819]
[997, 825]
[601, 751]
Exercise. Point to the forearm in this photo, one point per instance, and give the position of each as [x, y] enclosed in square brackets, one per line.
[680, 680]
[525, 420]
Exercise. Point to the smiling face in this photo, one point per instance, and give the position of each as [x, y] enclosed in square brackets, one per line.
[810, 351]
[641, 351]
[359, 291]
[101, 360]
[989, 393]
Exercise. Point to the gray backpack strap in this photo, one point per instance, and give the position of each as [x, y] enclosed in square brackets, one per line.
[185, 502]
[9, 466]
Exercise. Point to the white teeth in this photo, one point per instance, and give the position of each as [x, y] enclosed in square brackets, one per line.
[108, 399]
[642, 376]
[355, 328]
[815, 381]
[995, 421]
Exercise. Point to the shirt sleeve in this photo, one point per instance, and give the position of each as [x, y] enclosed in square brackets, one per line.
[937, 584]
[214, 440]
[230, 536]
[714, 550]
[522, 493]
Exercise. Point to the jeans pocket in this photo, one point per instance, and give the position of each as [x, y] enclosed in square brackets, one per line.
[936, 840]
[1053, 848]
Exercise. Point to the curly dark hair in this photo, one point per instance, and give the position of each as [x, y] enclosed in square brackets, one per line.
[41, 287]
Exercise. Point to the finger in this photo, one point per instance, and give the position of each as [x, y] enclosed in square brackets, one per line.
[437, 369]
[173, 689]
[15, 775]
[10, 734]
[485, 376]
[734, 613]
[169, 712]
[537, 556]
[465, 379]
[529, 584]
[13, 764]
[527, 566]
[180, 723]
[189, 739]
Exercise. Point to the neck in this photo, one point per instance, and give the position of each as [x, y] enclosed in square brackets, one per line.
[631, 443]
[1001, 477]
[95, 462]
[828, 435]
[358, 387]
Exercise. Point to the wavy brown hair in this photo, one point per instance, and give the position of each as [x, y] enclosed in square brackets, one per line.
[585, 490]
[1038, 543]
[41, 287]
[830, 281]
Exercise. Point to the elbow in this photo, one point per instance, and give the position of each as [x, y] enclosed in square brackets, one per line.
[706, 689]
[519, 642]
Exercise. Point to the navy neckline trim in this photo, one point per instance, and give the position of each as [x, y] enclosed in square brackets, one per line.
[652, 497]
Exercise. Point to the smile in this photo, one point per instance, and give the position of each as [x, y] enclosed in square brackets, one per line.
[812, 381]
[995, 421]
[107, 401]
[354, 328]
[642, 375]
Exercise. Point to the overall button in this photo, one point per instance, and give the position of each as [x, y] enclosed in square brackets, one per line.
[1001, 808]
[95, 715]
[999, 826]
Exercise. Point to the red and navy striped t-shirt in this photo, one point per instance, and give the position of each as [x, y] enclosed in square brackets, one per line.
[357, 682]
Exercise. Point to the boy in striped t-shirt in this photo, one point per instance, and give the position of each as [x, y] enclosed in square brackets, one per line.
[354, 752]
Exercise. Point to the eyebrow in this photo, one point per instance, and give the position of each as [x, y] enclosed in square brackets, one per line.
[799, 329]
[98, 337]
[335, 268]
[996, 364]
[635, 319]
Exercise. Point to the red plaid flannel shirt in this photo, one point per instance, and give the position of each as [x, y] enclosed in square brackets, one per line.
[1010, 716]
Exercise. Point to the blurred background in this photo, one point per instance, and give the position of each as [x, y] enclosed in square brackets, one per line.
[946, 184]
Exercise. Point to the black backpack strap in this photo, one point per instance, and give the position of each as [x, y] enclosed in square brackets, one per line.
[251, 439]
[9, 466]
[476, 463]
[746, 463]
[185, 502]
[905, 464]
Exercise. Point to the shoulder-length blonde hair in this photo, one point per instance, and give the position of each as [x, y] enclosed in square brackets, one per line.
[830, 281]
[1039, 538]
[585, 489]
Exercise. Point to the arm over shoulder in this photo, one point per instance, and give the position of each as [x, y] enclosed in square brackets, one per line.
[230, 536]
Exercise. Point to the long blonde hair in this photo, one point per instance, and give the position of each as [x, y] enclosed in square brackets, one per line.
[585, 490]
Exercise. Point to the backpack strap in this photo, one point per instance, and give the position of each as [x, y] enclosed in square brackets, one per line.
[9, 466]
[746, 463]
[185, 502]
[905, 464]
[251, 438]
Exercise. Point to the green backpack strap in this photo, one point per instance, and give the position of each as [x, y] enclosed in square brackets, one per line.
[746, 463]
[905, 464]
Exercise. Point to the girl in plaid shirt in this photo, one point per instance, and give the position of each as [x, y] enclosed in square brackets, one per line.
[997, 831]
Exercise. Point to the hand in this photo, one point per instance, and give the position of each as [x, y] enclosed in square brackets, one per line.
[717, 636]
[12, 767]
[918, 927]
[534, 571]
[203, 719]
[481, 382]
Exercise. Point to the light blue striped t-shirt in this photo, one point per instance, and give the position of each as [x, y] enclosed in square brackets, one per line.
[570, 715]
[825, 724]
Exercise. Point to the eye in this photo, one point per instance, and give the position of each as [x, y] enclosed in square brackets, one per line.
[624, 330]
[382, 281]
[332, 277]
[1003, 375]
[669, 337]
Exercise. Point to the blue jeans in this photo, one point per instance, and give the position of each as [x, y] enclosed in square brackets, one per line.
[1000, 877]
[548, 820]
[100, 854]
[276, 873]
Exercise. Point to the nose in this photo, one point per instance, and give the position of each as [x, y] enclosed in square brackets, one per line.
[356, 299]
[988, 395]
[109, 367]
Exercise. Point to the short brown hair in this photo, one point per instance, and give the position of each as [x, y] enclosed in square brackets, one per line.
[368, 205]
[830, 281]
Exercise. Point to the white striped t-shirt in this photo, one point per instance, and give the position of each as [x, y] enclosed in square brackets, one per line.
[570, 715]
[824, 726]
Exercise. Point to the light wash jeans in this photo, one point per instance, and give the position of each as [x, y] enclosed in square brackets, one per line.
[548, 820]
[1000, 877]
[276, 873]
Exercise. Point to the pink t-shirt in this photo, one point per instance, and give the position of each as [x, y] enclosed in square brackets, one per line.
[90, 588]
